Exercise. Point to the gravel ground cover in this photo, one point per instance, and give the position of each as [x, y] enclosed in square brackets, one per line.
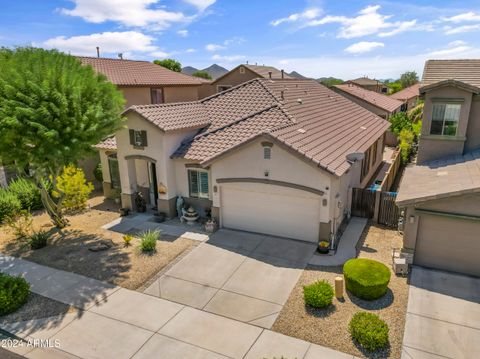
[68, 249]
[329, 327]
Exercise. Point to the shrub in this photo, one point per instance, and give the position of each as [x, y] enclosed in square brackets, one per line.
[318, 294]
[127, 238]
[14, 293]
[39, 239]
[27, 192]
[10, 205]
[97, 172]
[20, 223]
[148, 241]
[366, 278]
[73, 188]
[369, 331]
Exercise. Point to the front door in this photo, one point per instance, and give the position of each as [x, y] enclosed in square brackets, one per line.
[152, 176]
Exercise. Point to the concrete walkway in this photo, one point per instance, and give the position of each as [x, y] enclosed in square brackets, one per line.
[113, 322]
[443, 316]
[347, 247]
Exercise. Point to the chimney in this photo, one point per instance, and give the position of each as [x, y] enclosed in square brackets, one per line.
[283, 74]
[120, 56]
[270, 75]
[98, 51]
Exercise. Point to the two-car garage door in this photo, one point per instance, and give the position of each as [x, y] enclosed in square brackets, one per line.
[271, 209]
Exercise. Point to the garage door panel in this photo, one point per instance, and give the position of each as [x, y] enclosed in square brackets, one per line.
[272, 210]
[448, 244]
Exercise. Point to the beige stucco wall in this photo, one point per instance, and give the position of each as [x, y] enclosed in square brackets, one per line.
[473, 127]
[234, 78]
[142, 96]
[432, 147]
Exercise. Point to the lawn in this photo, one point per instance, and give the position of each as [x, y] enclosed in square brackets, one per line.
[68, 249]
[329, 327]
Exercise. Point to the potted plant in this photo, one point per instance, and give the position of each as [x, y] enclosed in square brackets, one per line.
[140, 202]
[211, 225]
[324, 247]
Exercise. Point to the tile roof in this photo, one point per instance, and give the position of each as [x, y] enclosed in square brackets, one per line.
[439, 179]
[174, 116]
[365, 81]
[263, 71]
[109, 143]
[407, 93]
[467, 71]
[305, 116]
[137, 73]
[377, 99]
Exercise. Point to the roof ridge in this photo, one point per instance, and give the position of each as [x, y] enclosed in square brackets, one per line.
[169, 104]
[108, 58]
[228, 90]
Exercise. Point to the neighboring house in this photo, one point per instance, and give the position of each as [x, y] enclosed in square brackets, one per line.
[369, 84]
[409, 96]
[267, 156]
[440, 194]
[243, 73]
[380, 104]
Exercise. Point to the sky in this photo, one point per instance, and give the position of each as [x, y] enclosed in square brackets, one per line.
[317, 38]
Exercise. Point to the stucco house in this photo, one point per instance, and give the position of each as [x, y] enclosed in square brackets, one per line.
[441, 193]
[369, 84]
[409, 96]
[243, 73]
[267, 156]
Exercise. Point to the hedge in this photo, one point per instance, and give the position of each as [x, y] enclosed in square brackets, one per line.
[366, 278]
[9, 204]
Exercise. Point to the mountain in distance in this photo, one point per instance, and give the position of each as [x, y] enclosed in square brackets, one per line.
[297, 75]
[214, 70]
[330, 81]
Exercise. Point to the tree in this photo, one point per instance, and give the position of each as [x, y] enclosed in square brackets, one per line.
[394, 86]
[399, 121]
[170, 64]
[409, 78]
[52, 110]
[202, 74]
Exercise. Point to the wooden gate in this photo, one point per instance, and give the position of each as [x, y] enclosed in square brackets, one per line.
[363, 202]
[388, 210]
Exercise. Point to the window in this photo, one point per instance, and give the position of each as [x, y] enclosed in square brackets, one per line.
[365, 164]
[267, 152]
[138, 138]
[114, 172]
[157, 95]
[445, 118]
[242, 69]
[198, 183]
[221, 88]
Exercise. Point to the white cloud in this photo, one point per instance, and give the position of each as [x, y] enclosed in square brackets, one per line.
[307, 14]
[159, 54]
[109, 43]
[368, 22]
[467, 16]
[182, 33]
[201, 4]
[461, 29]
[214, 47]
[189, 51]
[363, 47]
[453, 49]
[231, 58]
[126, 12]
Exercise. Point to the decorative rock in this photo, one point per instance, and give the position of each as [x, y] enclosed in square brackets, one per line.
[100, 246]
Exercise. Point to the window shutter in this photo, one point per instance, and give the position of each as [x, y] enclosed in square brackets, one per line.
[204, 184]
[193, 183]
[144, 138]
[132, 137]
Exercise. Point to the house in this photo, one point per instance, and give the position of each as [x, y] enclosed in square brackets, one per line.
[369, 84]
[409, 96]
[441, 193]
[243, 73]
[267, 156]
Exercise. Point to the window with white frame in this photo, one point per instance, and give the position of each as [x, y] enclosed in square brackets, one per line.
[445, 118]
[198, 183]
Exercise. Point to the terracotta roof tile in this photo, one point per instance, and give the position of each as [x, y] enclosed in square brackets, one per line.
[467, 71]
[263, 71]
[365, 81]
[137, 73]
[407, 93]
[107, 144]
[377, 99]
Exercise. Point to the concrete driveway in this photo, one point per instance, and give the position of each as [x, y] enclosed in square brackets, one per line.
[239, 275]
[443, 316]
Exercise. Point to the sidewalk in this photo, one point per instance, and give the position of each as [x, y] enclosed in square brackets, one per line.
[117, 323]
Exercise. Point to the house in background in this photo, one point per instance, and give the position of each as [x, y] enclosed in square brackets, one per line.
[369, 84]
[243, 73]
[409, 96]
[441, 193]
[267, 156]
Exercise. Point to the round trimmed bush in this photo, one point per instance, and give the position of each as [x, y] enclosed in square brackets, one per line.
[9, 204]
[366, 278]
[369, 331]
[318, 294]
[14, 292]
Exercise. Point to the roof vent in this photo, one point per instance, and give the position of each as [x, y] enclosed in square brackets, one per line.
[301, 130]
[270, 75]
[363, 128]
[283, 74]
[355, 156]
[299, 101]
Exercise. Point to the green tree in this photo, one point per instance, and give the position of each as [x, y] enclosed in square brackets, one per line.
[52, 110]
[170, 64]
[399, 121]
[394, 86]
[202, 74]
[330, 81]
[408, 78]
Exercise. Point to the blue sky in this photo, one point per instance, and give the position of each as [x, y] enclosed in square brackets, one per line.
[317, 38]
